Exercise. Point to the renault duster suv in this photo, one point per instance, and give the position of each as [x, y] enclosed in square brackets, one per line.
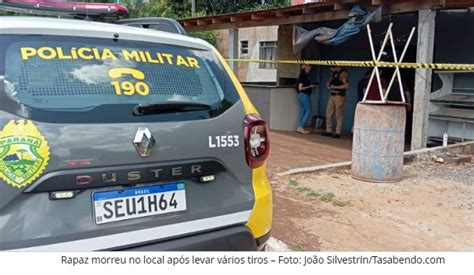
[121, 138]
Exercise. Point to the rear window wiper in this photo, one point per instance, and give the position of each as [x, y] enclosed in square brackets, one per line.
[144, 109]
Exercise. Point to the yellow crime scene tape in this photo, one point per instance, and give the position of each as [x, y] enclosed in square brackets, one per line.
[382, 64]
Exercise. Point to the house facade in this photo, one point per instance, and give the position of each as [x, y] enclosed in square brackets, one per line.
[253, 43]
[443, 100]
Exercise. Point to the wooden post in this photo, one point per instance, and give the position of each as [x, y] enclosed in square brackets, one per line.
[424, 54]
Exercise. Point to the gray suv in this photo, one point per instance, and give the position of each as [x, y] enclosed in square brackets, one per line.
[121, 138]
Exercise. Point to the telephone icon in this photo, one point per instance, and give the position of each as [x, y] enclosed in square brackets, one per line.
[118, 72]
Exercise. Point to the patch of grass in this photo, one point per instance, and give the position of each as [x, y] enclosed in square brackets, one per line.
[314, 194]
[294, 183]
[297, 247]
[327, 197]
[310, 192]
[341, 203]
[303, 189]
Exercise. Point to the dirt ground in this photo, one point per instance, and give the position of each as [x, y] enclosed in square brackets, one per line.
[292, 150]
[431, 209]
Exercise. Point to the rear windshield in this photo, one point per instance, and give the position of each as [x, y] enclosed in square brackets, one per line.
[64, 79]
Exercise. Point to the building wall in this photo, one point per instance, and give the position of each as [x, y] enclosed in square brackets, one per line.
[451, 108]
[285, 52]
[222, 43]
[279, 106]
[250, 72]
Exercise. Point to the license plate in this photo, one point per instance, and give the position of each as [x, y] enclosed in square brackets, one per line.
[131, 203]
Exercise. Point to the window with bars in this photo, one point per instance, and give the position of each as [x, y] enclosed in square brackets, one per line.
[244, 47]
[268, 51]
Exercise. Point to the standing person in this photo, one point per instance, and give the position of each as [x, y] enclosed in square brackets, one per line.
[337, 85]
[304, 88]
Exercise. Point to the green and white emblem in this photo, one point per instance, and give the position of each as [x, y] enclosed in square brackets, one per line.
[24, 153]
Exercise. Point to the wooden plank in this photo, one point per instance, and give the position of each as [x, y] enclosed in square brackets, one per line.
[283, 17]
[458, 3]
[234, 19]
[309, 10]
[211, 27]
[295, 19]
[189, 23]
[412, 6]
[220, 20]
[203, 22]
[338, 7]
[257, 17]
[350, 1]
[322, 8]
[279, 14]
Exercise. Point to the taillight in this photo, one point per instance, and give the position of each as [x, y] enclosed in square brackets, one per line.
[257, 144]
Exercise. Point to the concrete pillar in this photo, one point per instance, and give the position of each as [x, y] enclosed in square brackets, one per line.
[285, 52]
[234, 49]
[424, 54]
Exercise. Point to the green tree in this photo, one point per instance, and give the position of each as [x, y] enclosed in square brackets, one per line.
[140, 8]
[212, 7]
[208, 36]
[182, 8]
[179, 9]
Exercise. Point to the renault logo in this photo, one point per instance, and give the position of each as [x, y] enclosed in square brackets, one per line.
[144, 141]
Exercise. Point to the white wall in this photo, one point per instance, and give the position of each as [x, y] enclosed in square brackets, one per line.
[254, 36]
[249, 72]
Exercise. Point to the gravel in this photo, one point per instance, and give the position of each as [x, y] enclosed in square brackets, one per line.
[463, 173]
[276, 245]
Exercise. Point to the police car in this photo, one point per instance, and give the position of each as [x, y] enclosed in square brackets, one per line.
[114, 137]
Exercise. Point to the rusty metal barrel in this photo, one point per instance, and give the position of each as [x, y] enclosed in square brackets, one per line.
[378, 143]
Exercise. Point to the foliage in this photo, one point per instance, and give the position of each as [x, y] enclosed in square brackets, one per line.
[208, 36]
[179, 9]
[182, 8]
[230, 6]
[341, 203]
[294, 183]
[303, 189]
[140, 8]
[327, 197]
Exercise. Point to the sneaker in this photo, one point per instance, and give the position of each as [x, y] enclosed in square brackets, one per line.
[336, 136]
[326, 134]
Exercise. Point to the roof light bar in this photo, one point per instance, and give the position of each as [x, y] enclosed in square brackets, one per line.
[77, 9]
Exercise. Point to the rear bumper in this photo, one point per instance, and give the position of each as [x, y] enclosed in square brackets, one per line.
[237, 238]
